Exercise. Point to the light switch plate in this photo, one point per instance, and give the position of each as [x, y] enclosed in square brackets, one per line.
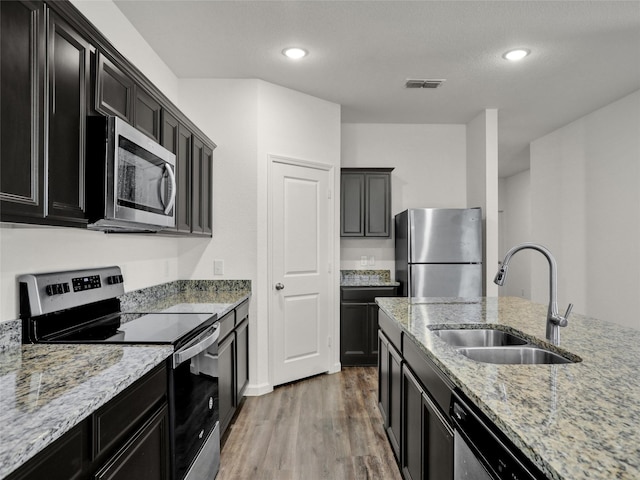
[363, 260]
[218, 267]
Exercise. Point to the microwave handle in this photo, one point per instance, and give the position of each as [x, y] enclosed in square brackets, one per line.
[172, 177]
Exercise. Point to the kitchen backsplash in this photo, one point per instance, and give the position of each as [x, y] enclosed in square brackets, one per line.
[153, 295]
[372, 275]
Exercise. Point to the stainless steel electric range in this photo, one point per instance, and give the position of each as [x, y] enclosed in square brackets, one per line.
[82, 306]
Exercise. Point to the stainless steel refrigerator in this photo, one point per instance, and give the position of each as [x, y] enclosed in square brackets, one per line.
[439, 252]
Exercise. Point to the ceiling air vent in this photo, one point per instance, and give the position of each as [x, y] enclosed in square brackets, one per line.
[412, 83]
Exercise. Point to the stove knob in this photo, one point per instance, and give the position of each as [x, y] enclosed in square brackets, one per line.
[49, 290]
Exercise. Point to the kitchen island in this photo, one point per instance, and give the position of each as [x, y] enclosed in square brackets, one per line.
[573, 421]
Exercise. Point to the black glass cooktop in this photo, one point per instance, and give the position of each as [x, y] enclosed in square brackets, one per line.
[150, 328]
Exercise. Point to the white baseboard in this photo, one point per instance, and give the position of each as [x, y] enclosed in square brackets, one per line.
[257, 390]
[336, 368]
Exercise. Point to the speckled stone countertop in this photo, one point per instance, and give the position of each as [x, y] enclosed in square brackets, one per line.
[366, 278]
[45, 390]
[575, 421]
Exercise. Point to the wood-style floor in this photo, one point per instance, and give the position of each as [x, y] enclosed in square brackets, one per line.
[325, 427]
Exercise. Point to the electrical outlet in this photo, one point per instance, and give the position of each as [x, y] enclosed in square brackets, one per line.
[218, 267]
[372, 260]
[363, 260]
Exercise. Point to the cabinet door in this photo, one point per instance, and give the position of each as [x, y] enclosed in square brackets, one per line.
[184, 162]
[378, 205]
[22, 80]
[115, 91]
[226, 380]
[177, 139]
[69, 72]
[411, 445]
[147, 114]
[383, 377]
[437, 442]
[242, 359]
[146, 455]
[354, 341]
[372, 330]
[206, 193]
[352, 204]
[197, 219]
[62, 460]
[395, 399]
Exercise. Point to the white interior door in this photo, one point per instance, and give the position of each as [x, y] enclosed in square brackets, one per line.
[300, 312]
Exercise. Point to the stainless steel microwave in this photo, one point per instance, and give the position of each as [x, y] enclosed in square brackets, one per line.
[130, 179]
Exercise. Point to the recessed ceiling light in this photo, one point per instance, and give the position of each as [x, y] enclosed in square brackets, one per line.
[517, 54]
[294, 53]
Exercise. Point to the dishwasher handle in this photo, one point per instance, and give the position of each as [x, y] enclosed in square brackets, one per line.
[213, 333]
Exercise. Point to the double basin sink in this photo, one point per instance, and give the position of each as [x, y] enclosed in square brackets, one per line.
[490, 345]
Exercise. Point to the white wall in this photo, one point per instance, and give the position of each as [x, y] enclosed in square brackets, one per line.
[299, 126]
[585, 190]
[430, 171]
[482, 186]
[146, 260]
[108, 18]
[248, 120]
[515, 228]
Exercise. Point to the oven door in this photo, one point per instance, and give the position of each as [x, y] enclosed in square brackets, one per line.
[195, 411]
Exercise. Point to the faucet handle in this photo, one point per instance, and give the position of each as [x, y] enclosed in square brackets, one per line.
[564, 319]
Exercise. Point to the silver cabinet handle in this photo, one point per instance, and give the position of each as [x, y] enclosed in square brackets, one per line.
[279, 286]
[199, 347]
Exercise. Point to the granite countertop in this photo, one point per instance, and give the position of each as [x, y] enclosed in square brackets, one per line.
[366, 278]
[48, 389]
[45, 390]
[575, 421]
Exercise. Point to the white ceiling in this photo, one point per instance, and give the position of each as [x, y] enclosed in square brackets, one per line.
[585, 54]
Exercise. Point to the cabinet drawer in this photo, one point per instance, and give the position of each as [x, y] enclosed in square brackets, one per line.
[435, 383]
[242, 312]
[116, 419]
[390, 329]
[227, 324]
[366, 294]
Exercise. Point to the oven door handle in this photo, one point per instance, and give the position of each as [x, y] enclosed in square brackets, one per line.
[190, 352]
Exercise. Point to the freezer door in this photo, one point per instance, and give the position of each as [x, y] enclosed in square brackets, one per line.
[445, 235]
[448, 280]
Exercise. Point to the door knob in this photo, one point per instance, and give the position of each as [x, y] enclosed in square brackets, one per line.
[279, 286]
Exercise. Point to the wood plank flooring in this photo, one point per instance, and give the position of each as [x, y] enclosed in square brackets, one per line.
[325, 427]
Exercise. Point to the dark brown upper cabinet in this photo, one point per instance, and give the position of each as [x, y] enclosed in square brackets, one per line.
[22, 89]
[365, 203]
[45, 82]
[69, 81]
[115, 90]
[55, 70]
[147, 113]
[177, 139]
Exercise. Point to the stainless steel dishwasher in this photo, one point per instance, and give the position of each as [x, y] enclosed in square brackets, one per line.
[480, 451]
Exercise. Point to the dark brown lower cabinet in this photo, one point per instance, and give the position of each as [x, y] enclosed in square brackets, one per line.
[226, 389]
[126, 439]
[233, 363]
[146, 455]
[390, 390]
[414, 396]
[427, 438]
[359, 323]
[242, 358]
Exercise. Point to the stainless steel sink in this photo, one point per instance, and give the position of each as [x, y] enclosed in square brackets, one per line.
[483, 337]
[524, 355]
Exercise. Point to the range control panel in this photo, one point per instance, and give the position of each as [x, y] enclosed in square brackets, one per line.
[55, 291]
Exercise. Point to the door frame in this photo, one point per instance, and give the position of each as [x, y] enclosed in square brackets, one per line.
[333, 366]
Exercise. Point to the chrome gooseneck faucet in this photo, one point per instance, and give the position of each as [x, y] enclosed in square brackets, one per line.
[554, 319]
